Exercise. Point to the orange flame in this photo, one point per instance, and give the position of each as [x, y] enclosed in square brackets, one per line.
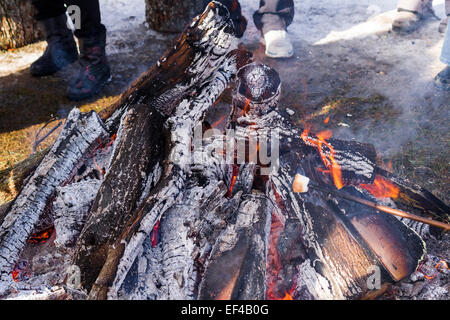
[15, 275]
[247, 104]
[233, 180]
[287, 297]
[328, 159]
[382, 188]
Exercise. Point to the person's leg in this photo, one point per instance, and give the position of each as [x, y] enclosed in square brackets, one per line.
[90, 18]
[442, 80]
[61, 47]
[46, 9]
[444, 22]
[411, 13]
[272, 19]
[94, 67]
[274, 15]
[445, 54]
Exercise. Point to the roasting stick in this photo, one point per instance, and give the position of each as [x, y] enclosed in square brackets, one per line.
[302, 183]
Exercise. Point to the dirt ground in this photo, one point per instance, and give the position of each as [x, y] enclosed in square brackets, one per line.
[349, 70]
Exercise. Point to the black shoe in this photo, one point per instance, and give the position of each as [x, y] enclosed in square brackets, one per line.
[94, 72]
[61, 48]
[442, 79]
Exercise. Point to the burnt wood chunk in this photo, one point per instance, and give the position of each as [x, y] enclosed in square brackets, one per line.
[237, 266]
[138, 149]
[77, 139]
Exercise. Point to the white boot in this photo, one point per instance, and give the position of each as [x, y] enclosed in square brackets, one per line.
[278, 44]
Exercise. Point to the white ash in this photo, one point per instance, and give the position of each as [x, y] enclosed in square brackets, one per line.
[71, 208]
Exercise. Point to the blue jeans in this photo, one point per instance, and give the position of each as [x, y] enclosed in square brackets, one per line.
[445, 55]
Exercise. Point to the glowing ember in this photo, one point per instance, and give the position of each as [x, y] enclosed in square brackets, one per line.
[441, 266]
[287, 297]
[328, 158]
[154, 235]
[326, 120]
[273, 260]
[430, 273]
[20, 272]
[41, 237]
[15, 275]
[381, 188]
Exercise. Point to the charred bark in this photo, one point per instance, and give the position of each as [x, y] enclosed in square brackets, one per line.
[237, 267]
[138, 150]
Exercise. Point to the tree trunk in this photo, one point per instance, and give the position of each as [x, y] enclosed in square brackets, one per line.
[171, 15]
[17, 24]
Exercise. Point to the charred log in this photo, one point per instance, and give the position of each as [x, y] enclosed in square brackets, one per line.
[79, 135]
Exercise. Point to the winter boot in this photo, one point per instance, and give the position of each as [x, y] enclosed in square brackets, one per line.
[61, 47]
[94, 68]
[278, 44]
[411, 14]
[442, 80]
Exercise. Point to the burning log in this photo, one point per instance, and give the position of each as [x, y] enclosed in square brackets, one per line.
[301, 185]
[237, 266]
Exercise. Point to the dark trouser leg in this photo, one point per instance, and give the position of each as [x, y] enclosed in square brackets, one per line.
[274, 15]
[47, 9]
[90, 14]
[90, 17]
[95, 71]
[61, 48]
